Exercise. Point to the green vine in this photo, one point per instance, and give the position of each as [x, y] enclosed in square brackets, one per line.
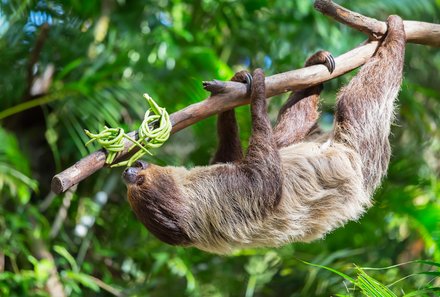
[153, 132]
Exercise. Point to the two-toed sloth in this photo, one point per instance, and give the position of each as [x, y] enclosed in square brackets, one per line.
[290, 185]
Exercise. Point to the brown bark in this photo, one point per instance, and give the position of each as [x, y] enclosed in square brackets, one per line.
[416, 32]
[232, 94]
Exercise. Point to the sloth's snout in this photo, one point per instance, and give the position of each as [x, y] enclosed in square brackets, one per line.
[131, 173]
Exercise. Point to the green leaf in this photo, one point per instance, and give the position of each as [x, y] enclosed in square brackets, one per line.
[345, 276]
[83, 279]
[14, 169]
[418, 293]
[370, 286]
[62, 251]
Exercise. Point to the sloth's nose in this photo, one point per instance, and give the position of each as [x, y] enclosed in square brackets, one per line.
[130, 174]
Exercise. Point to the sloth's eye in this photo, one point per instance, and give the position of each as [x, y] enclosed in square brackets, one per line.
[140, 179]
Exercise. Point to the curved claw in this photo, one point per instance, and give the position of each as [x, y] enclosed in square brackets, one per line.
[330, 63]
[322, 57]
[245, 77]
[248, 82]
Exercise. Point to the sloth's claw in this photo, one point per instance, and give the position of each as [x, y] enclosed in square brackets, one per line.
[322, 57]
[330, 63]
[217, 86]
[245, 77]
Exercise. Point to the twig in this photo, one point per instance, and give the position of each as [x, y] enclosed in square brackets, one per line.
[228, 95]
[62, 213]
[47, 201]
[110, 289]
[33, 59]
[53, 284]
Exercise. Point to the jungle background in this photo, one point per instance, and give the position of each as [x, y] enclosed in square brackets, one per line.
[71, 65]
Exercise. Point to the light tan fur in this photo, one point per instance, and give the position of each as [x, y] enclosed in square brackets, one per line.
[322, 190]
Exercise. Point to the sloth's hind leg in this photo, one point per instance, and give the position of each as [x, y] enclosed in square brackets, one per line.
[298, 116]
[365, 106]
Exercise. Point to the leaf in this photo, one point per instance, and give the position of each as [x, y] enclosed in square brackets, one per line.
[62, 251]
[83, 279]
[43, 269]
[370, 286]
[418, 293]
[427, 262]
[14, 169]
[179, 267]
[345, 276]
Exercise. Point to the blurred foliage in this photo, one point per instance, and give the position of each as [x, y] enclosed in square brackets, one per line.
[70, 65]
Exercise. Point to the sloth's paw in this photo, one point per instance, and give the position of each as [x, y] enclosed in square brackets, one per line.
[245, 77]
[322, 57]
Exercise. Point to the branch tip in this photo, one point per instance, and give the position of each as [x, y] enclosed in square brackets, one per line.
[214, 86]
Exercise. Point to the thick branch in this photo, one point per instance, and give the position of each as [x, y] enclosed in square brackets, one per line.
[416, 32]
[232, 94]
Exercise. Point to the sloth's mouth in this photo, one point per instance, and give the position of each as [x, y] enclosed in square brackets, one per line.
[131, 174]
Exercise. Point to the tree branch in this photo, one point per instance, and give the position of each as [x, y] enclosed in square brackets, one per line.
[227, 95]
[33, 59]
[416, 32]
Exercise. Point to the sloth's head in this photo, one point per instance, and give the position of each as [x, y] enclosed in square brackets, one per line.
[157, 201]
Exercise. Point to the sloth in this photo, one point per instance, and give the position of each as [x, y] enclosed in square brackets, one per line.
[293, 184]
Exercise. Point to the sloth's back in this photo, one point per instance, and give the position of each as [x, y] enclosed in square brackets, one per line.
[322, 189]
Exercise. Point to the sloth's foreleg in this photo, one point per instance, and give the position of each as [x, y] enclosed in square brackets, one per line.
[261, 167]
[229, 147]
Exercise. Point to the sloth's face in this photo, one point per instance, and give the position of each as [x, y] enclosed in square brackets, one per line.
[157, 202]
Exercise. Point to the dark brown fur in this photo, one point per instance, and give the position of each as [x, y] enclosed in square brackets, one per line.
[229, 147]
[158, 206]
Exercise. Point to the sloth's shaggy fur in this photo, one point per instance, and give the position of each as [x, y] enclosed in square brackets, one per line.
[291, 185]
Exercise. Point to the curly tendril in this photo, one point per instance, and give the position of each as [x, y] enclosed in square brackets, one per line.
[153, 132]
